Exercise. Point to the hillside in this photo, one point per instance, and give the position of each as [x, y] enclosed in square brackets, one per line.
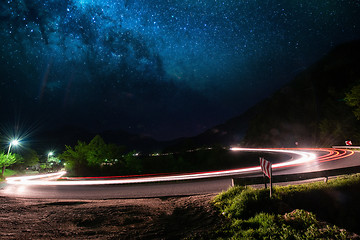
[309, 111]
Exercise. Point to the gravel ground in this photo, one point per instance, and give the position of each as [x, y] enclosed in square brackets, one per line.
[152, 218]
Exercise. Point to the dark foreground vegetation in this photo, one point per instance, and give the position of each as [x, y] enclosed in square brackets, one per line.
[308, 211]
[97, 158]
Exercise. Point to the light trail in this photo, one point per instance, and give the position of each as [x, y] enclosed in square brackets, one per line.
[45, 177]
[337, 154]
[332, 155]
[302, 158]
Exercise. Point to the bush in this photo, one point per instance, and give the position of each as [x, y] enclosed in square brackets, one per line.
[244, 202]
[249, 202]
[297, 224]
[253, 215]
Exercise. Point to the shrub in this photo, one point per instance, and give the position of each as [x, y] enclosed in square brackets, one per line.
[253, 215]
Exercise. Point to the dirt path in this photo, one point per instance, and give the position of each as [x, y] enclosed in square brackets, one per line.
[154, 218]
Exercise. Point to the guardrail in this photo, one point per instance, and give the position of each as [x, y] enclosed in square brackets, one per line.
[297, 177]
[347, 147]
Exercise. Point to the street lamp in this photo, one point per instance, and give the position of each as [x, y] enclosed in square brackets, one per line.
[50, 154]
[12, 143]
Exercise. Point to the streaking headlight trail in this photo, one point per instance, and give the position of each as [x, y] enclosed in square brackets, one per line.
[300, 157]
[43, 177]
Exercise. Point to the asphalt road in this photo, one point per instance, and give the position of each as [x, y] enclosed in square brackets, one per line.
[145, 190]
[325, 159]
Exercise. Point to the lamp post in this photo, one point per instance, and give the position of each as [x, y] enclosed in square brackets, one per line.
[50, 154]
[12, 143]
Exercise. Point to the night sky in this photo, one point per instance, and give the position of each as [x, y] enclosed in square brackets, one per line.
[162, 68]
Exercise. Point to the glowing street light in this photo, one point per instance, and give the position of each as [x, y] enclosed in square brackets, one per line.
[50, 154]
[12, 143]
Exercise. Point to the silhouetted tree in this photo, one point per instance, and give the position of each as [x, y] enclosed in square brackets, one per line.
[97, 152]
[353, 99]
[28, 158]
[97, 157]
[133, 163]
[76, 158]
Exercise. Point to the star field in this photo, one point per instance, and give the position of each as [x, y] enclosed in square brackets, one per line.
[165, 68]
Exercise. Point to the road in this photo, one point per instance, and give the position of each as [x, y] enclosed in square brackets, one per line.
[297, 161]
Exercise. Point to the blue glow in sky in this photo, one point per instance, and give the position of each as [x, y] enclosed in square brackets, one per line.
[164, 68]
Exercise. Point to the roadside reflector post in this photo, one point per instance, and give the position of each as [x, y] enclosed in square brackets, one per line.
[266, 168]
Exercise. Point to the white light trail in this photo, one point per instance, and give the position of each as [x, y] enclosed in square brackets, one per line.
[44, 177]
[303, 157]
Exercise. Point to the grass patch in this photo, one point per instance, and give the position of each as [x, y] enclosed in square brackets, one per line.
[293, 212]
[297, 224]
[9, 173]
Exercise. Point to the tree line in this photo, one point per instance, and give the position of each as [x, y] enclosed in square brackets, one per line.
[28, 159]
[97, 158]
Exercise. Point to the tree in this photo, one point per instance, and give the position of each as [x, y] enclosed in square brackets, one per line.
[6, 160]
[28, 158]
[97, 152]
[91, 158]
[53, 163]
[19, 164]
[133, 163]
[76, 158]
[98, 158]
[353, 99]
[31, 158]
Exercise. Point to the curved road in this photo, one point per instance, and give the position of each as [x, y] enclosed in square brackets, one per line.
[297, 161]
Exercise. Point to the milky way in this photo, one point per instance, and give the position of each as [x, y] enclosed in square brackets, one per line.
[163, 68]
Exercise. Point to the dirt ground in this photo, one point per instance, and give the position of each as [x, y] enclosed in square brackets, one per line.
[153, 218]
